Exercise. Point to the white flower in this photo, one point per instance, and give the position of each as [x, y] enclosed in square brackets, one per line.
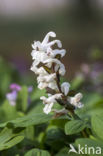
[65, 88]
[39, 55]
[49, 68]
[43, 53]
[49, 102]
[42, 85]
[61, 52]
[47, 108]
[55, 52]
[46, 78]
[62, 70]
[76, 100]
[59, 66]
[38, 71]
[45, 44]
[52, 85]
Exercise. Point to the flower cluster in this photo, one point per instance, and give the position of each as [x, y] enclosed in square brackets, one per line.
[48, 66]
[12, 96]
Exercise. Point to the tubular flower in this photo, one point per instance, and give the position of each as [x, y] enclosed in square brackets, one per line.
[49, 102]
[76, 100]
[48, 67]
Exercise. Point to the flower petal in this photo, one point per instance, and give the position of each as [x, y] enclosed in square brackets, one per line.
[65, 87]
[46, 39]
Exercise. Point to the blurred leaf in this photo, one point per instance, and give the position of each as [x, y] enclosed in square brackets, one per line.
[29, 120]
[37, 107]
[63, 152]
[90, 143]
[74, 126]
[37, 152]
[37, 94]
[9, 139]
[22, 100]
[55, 137]
[12, 142]
[8, 74]
[9, 112]
[77, 82]
[93, 104]
[97, 125]
[29, 132]
[60, 122]
[96, 54]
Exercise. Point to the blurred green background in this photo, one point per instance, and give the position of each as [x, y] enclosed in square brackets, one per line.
[77, 23]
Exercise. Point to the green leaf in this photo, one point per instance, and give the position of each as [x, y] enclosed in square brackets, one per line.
[63, 152]
[90, 143]
[29, 132]
[55, 137]
[37, 94]
[97, 125]
[93, 105]
[37, 152]
[22, 100]
[74, 126]
[8, 138]
[9, 112]
[12, 142]
[29, 120]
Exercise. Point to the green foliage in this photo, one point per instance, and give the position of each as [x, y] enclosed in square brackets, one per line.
[7, 112]
[93, 104]
[26, 131]
[74, 126]
[8, 138]
[97, 126]
[37, 152]
[90, 143]
[22, 101]
[29, 120]
[96, 54]
[77, 82]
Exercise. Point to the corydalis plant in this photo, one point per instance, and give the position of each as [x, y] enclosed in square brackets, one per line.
[48, 67]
